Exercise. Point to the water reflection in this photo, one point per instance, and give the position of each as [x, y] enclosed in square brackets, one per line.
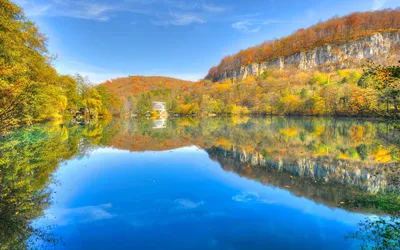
[357, 153]
[159, 123]
[329, 161]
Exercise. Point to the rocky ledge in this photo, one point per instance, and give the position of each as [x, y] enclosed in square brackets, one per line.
[378, 46]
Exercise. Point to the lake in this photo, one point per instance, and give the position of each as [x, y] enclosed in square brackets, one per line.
[215, 183]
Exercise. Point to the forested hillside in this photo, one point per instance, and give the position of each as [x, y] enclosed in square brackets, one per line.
[372, 91]
[31, 90]
[136, 93]
[336, 30]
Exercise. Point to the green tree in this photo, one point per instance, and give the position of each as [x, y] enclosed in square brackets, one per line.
[387, 82]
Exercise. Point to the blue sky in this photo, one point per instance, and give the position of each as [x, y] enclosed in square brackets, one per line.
[105, 39]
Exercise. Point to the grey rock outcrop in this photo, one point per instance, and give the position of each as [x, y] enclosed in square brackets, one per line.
[325, 58]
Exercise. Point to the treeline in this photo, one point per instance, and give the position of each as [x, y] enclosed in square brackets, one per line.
[334, 31]
[31, 90]
[374, 91]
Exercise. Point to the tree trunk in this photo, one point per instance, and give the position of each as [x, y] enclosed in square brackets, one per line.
[387, 105]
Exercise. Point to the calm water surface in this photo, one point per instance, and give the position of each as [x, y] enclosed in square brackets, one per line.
[232, 183]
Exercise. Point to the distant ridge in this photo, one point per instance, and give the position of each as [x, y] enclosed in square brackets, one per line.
[128, 86]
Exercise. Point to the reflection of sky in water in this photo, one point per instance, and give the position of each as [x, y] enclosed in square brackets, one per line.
[181, 199]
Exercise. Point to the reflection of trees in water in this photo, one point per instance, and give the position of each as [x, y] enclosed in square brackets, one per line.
[378, 233]
[343, 139]
[28, 157]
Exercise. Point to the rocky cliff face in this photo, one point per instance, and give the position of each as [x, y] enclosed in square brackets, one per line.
[325, 58]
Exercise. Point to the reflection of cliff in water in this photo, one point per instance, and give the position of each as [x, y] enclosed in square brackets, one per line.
[324, 181]
[362, 154]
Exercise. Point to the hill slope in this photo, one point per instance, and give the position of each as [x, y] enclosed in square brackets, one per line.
[133, 85]
[136, 93]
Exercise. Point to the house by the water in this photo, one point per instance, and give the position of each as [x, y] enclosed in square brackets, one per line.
[161, 108]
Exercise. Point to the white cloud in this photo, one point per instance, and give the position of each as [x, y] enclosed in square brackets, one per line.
[75, 9]
[251, 26]
[180, 19]
[37, 10]
[187, 204]
[286, 199]
[66, 216]
[80, 9]
[381, 4]
[250, 197]
[377, 4]
[246, 26]
[199, 6]
[176, 12]
[213, 8]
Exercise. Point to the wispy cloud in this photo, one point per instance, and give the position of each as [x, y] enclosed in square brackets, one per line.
[246, 26]
[174, 12]
[199, 6]
[252, 25]
[187, 204]
[378, 4]
[251, 197]
[66, 216]
[179, 19]
[75, 9]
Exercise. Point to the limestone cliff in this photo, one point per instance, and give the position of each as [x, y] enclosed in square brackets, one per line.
[380, 46]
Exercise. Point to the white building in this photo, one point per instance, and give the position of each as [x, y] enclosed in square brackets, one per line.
[160, 106]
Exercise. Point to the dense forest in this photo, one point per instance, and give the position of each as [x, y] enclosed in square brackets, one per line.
[334, 31]
[31, 90]
[372, 91]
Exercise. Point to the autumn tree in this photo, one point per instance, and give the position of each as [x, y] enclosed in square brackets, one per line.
[386, 79]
